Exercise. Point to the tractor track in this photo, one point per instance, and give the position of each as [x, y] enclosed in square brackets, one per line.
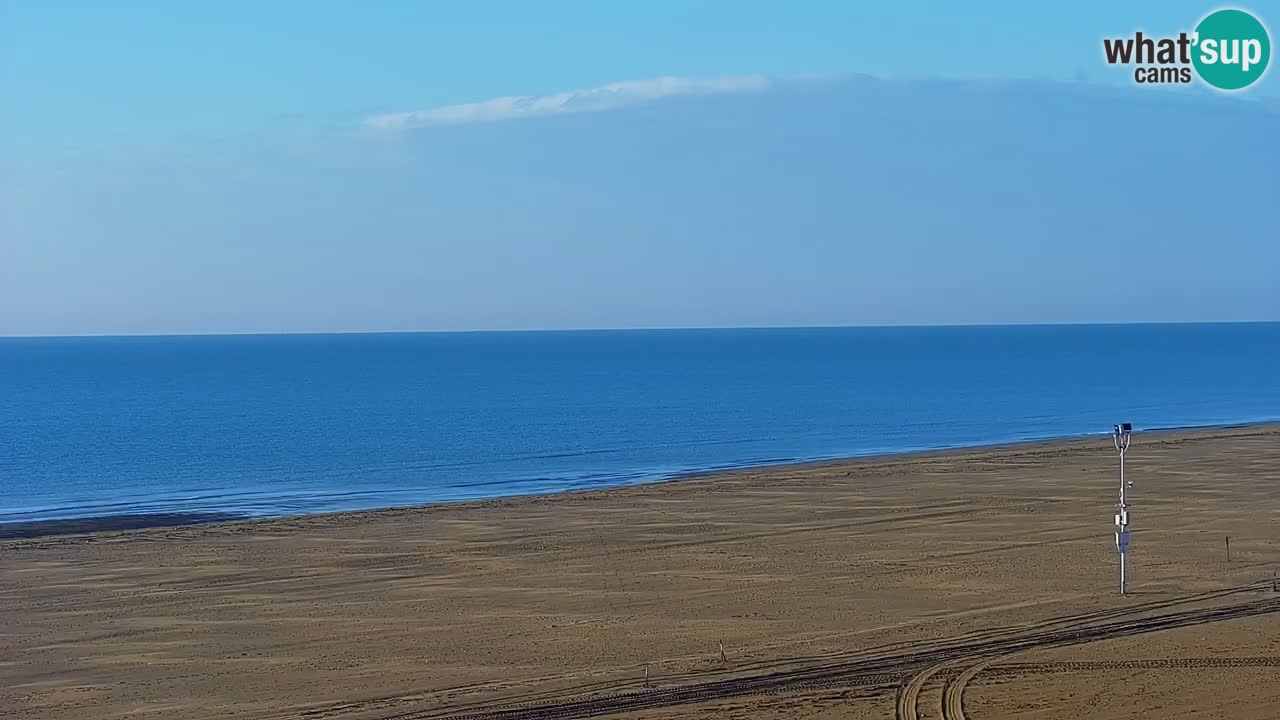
[831, 661]
[955, 680]
[1197, 663]
[907, 666]
[953, 689]
[957, 672]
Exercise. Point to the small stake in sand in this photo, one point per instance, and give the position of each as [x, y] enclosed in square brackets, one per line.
[723, 659]
[646, 676]
[1228, 539]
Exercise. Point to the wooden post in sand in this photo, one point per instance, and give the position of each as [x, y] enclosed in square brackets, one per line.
[723, 659]
[1228, 538]
[646, 676]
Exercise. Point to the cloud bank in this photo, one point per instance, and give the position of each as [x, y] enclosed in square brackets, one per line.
[605, 97]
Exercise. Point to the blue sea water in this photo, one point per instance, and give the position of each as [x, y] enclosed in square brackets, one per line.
[287, 424]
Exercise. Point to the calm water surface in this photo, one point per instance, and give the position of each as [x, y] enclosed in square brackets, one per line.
[286, 424]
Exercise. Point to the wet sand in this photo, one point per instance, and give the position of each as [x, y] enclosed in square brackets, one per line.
[75, 526]
[448, 609]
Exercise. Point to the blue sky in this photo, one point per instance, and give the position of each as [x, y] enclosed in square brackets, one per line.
[313, 166]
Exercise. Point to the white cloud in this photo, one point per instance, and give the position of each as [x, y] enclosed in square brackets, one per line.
[605, 97]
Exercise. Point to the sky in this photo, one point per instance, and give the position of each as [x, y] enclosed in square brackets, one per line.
[339, 166]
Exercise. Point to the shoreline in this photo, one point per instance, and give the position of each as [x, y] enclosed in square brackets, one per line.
[128, 522]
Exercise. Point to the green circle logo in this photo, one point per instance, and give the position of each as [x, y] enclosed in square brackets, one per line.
[1232, 49]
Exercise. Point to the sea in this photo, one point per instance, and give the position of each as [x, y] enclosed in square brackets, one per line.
[277, 425]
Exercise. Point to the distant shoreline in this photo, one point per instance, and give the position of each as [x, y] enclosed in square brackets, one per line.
[32, 529]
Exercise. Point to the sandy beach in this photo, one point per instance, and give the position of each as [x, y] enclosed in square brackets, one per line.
[978, 584]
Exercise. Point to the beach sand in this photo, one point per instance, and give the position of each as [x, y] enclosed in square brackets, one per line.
[838, 590]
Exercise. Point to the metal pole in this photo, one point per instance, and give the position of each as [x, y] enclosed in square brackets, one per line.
[1121, 435]
[1124, 554]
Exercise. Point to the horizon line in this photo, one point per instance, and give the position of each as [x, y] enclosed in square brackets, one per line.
[654, 328]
